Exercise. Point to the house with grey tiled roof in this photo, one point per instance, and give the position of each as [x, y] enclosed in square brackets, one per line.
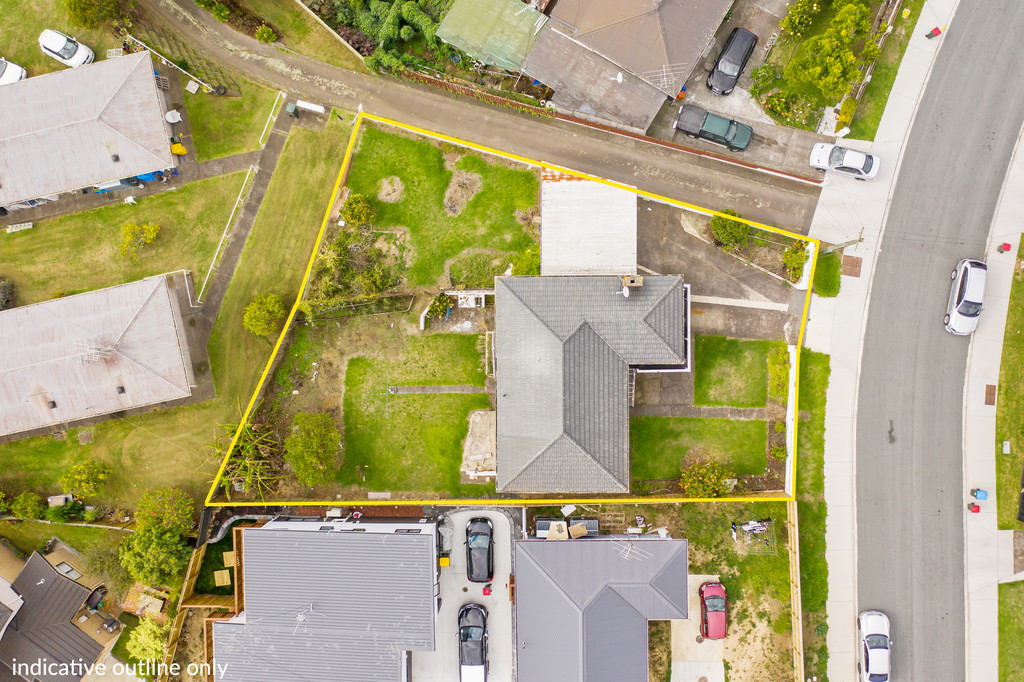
[566, 352]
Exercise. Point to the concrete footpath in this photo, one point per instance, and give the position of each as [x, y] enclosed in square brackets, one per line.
[848, 210]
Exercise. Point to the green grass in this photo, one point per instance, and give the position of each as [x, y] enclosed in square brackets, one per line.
[826, 275]
[478, 270]
[1011, 632]
[876, 95]
[222, 125]
[1010, 407]
[21, 24]
[300, 32]
[297, 362]
[129, 622]
[659, 444]
[411, 442]
[29, 536]
[730, 372]
[79, 252]
[172, 448]
[213, 561]
[488, 221]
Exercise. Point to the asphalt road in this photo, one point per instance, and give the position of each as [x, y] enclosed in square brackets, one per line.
[910, 489]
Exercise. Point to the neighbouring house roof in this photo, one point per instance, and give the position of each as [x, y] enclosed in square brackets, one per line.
[59, 132]
[42, 627]
[586, 228]
[496, 32]
[582, 606]
[319, 605]
[75, 352]
[563, 349]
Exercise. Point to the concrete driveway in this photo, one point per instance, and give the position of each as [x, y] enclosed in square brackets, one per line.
[442, 664]
[695, 659]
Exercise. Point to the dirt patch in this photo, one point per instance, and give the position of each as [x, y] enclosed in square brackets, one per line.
[530, 220]
[190, 646]
[391, 190]
[753, 649]
[463, 187]
[394, 244]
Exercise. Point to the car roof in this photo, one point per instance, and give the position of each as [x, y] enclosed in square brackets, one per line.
[53, 40]
[472, 673]
[976, 281]
[854, 159]
[741, 39]
[874, 623]
[878, 661]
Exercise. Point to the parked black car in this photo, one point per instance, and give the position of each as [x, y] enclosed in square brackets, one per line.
[472, 643]
[731, 61]
[480, 550]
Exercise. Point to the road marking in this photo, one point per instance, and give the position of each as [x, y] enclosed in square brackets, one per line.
[740, 303]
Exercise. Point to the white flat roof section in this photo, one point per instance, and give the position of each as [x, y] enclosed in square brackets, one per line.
[62, 131]
[587, 228]
[92, 354]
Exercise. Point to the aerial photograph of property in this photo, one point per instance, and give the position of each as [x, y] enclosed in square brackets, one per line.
[511, 341]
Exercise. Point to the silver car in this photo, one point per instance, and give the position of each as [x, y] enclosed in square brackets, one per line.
[875, 646]
[830, 157]
[64, 49]
[10, 73]
[965, 297]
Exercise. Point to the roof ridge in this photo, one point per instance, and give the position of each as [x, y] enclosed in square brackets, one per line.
[533, 459]
[668, 562]
[625, 69]
[591, 457]
[526, 306]
[551, 579]
[654, 306]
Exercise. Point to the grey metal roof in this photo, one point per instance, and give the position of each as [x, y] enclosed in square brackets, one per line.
[342, 606]
[582, 606]
[563, 350]
[60, 131]
[42, 627]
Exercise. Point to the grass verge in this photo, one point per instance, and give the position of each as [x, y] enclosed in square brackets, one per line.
[1011, 632]
[29, 536]
[303, 34]
[223, 126]
[658, 445]
[1010, 406]
[21, 24]
[79, 252]
[730, 372]
[213, 561]
[826, 275]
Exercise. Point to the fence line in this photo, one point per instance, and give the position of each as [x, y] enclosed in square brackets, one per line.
[213, 263]
[270, 118]
[796, 603]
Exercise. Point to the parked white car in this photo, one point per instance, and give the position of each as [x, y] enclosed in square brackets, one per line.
[10, 73]
[875, 646]
[64, 49]
[965, 297]
[830, 157]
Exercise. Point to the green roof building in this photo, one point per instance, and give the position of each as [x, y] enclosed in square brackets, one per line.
[496, 32]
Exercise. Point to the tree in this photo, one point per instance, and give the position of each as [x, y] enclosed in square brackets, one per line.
[166, 508]
[262, 315]
[103, 561]
[134, 237]
[729, 234]
[357, 211]
[148, 640]
[85, 478]
[829, 62]
[93, 13]
[314, 448]
[704, 478]
[154, 555]
[28, 505]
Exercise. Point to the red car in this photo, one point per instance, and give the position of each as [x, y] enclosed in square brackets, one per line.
[713, 608]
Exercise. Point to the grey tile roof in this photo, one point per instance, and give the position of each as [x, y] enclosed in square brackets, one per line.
[342, 606]
[563, 349]
[582, 606]
[42, 628]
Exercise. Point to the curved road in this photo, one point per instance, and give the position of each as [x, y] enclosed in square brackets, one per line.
[910, 490]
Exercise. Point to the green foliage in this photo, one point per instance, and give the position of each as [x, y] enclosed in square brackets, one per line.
[794, 258]
[265, 34]
[94, 13]
[780, 426]
[779, 452]
[103, 561]
[220, 12]
[134, 237]
[6, 293]
[208, 5]
[314, 448]
[148, 641]
[762, 79]
[92, 514]
[85, 478]
[64, 513]
[383, 60]
[376, 279]
[704, 479]
[801, 14]
[165, 508]
[778, 374]
[357, 211]
[789, 108]
[729, 234]
[846, 112]
[255, 460]
[4, 504]
[262, 315]
[829, 62]
[827, 275]
[28, 505]
[407, 33]
[154, 555]
[439, 306]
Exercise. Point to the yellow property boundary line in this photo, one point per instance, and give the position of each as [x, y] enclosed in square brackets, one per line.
[357, 123]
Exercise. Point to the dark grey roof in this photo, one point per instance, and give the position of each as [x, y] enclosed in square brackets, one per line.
[563, 351]
[42, 627]
[582, 606]
[342, 606]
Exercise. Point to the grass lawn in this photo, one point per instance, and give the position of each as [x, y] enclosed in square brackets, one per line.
[411, 442]
[1010, 408]
[129, 622]
[730, 372]
[213, 560]
[222, 125]
[478, 270]
[20, 26]
[79, 252]
[302, 33]
[488, 220]
[876, 95]
[172, 448]
[32, 535]
[826, 275]
[659, 444]
[1011, 632]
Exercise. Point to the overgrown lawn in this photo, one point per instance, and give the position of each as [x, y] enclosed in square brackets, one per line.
[302, 33]
[29, 536]
[659, 444]
[223, 125]
[1010, 407]
[1011, 632]
[731, 372]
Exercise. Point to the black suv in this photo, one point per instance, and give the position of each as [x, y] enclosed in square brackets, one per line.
[731, 61]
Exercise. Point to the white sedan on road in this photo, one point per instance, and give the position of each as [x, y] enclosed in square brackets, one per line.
[10, 73]
[831, 157]
[875, 645]
[64, 49]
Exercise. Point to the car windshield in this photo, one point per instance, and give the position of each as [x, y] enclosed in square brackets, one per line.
[3, 67]
[878, 677]
[715, 603]
[69, 49]
[471, 633]
[728, 68]
[479, 541]
[970, 309]
[877, 641]
[869, 161]
[835, 158]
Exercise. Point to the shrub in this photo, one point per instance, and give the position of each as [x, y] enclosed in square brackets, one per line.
[846, 112]
[104, 562]
[6, 294]
[376, 279]
[829, 62]
[439, 306]
[313, 449]
[780, 427]
[359, 41]
[794, 258]
[28, 505]
[779, 452]
[148, 640]
[221, 12]
[827, 275]
[207, 4]
[134, 237]
[154, 555]
[729, 234]
[92, 514]
[704, 478]
[357, 211]
[265, 34]
[168, 508]
[64, 513]
[801, 14]
[85, 478]
[94, 13]
[762, 79]
[263, 314]
[527, 262]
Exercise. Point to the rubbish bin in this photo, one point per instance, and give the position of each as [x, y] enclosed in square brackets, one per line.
[291, 109]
